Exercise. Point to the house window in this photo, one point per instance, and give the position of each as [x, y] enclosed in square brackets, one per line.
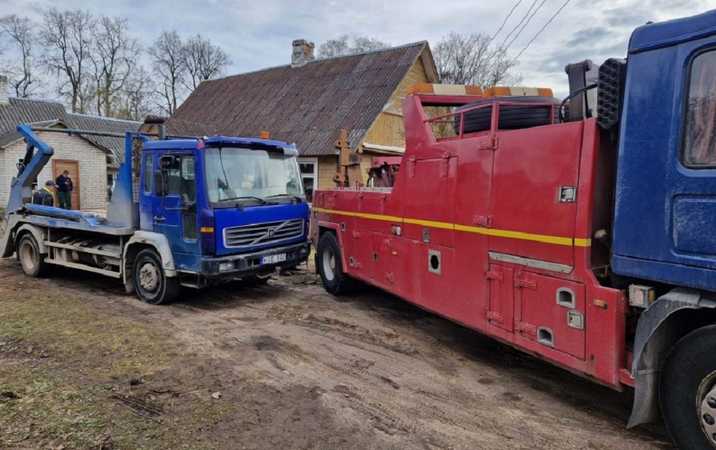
[309, 176]
[699, 145]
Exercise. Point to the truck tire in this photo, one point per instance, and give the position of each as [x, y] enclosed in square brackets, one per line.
[150, 281]
[687, 390]
[335, 281]
[28, 252]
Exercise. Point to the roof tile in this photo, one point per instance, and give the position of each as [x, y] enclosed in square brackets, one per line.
[42, 112]
[307, 105]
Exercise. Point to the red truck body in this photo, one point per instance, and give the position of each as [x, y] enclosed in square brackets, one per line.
[487, 229]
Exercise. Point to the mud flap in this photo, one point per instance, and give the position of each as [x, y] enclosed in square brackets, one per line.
[658, 330]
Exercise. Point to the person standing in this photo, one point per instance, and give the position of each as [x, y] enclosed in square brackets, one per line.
[64, 190]
[44, 196]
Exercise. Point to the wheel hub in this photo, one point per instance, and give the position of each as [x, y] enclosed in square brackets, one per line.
[149, 277]
[329, 264]
[708, 407]
[28, 256]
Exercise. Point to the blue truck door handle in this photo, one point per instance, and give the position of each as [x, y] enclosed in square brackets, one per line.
[159, 219]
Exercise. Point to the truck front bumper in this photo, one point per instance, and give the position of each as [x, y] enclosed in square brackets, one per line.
[251, 264]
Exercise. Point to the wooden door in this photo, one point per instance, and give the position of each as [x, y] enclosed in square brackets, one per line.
[73, 167]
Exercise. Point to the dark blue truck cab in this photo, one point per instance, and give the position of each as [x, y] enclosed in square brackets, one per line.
[659, 107]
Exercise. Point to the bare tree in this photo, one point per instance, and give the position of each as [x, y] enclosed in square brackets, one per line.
[334, 47]
[20, 32]
[169, 66]
[137, 100]
[472, 59]
[114, 58]
[203, 60]
[67, 38]
[341, 46]
[366, 44]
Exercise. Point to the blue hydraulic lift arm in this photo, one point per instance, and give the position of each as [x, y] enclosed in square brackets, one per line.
[37, 154]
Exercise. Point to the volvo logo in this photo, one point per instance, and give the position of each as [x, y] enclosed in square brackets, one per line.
[271, 232]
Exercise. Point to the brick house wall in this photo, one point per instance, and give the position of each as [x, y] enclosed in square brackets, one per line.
[92, 163]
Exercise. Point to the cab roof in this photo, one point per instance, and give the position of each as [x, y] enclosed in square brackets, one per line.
[657, 35]
[217, 141]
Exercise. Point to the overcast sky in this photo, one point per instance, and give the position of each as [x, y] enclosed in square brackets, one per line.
[258, 34]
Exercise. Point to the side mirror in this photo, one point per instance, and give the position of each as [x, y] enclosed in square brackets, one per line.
[166, 162]
[158, 183]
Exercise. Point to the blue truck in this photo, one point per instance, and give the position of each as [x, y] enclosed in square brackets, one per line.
[184, 212]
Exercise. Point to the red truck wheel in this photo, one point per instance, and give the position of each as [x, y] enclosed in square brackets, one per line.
[335, 281]
[688, 390]
[28, 252]
[150, 281]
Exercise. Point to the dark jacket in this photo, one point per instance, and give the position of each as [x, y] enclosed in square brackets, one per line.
[43, 197]
[64, 184]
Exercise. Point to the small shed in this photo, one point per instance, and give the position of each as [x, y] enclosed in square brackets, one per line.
[91, 160]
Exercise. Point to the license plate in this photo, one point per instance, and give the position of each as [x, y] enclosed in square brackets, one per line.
[273, 259]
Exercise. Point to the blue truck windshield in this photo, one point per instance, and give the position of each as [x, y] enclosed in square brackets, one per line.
[234, 174]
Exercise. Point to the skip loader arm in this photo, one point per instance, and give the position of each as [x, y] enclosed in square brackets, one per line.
[37, 154]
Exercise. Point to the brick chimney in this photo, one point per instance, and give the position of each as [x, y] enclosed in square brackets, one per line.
[302, 52]
[4, 91]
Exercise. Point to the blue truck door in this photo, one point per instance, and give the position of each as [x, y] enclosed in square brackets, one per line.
[665, 209]
[174, 214]
[693, 208]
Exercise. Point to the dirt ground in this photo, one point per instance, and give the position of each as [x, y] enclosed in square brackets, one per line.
[281, 366]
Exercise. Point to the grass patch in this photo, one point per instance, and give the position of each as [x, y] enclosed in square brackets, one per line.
[63, 366]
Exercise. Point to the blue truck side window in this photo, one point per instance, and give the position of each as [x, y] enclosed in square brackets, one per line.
[148, 172]
[699, 145]
[180, 178]
[188, 186]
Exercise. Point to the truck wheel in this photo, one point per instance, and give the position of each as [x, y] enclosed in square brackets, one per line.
[150, 281]
[335, 281]
[687, 390]
[28, 252]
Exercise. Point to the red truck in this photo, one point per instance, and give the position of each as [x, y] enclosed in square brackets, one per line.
[579, 231]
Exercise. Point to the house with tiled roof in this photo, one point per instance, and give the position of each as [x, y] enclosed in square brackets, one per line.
[91, 160]
[310, 100]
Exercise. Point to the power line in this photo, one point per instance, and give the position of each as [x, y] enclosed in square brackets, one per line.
[523, 26]
[521, 21]
[540, 31]
[505, 21]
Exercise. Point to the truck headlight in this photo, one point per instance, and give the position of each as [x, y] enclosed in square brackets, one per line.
[226, 266]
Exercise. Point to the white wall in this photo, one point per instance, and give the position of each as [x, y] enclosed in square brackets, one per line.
[92, 160]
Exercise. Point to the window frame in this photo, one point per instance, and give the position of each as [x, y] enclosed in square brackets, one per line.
[685, 122]
[312, 176]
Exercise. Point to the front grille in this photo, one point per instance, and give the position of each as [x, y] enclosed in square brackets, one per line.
[262, 233]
